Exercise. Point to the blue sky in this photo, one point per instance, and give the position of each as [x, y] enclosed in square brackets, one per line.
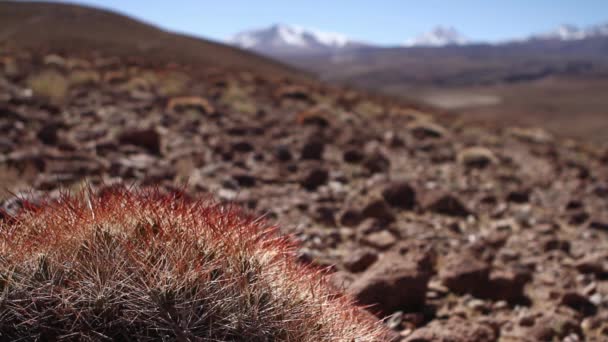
[379, 21]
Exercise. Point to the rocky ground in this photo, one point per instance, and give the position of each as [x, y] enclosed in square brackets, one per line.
[450, 233]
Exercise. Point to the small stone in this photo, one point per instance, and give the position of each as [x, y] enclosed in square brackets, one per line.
[381, 240]
[148, 139]
[599, 225]
[360, 260]
[426, 129]
[579, 303]
[313, 150]
[394, 321]
[476, 157]
[464, 273]
[244, 180]
[242, 146]
[519, 196]
[283, 154]
[453, 330]
[315, 179]
[350, 218]
[393, 283]
[400, 195]
[353, 156]
[376, 163]
[445, 204]
[378, 209]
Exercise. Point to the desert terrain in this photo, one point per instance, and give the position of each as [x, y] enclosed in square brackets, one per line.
[448, 229]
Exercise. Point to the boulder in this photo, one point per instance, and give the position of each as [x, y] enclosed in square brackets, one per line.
[393, 283]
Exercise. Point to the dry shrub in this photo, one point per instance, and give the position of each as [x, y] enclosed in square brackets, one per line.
[141, 265]
[237, 98]
[172, 83]
[50, 85]
[84, 77]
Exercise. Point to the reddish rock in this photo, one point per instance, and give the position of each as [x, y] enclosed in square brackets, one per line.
[353, 156]
[360, 260]
[148, 139]
[400, 195]
[314, 179]
[464, 273]
[578, 302]
[378, 209]
[508, 285]
[445, 204]
[454, 330]
[552, 326]
[393, 283]
[376, 163]
[381, 240]
[313, 150]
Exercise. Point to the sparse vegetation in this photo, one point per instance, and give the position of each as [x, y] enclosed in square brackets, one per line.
[50, 85]
[141, 265]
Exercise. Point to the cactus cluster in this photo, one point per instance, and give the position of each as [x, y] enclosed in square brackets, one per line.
[127, 265]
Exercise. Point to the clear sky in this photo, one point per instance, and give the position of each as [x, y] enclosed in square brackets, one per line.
[378, 21]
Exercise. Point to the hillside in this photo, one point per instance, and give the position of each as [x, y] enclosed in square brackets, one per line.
[448, 231]
[78, 29]
[538, 82]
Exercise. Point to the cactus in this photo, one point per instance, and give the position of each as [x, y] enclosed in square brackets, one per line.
[126, 265]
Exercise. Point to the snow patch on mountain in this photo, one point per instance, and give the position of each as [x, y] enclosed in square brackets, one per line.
[439, 36]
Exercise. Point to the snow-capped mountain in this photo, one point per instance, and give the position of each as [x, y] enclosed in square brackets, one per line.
[283, 39]
[571, 32]
[439, 36]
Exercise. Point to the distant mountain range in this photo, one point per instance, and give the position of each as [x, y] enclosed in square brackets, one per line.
[439, 36]
[282, 39]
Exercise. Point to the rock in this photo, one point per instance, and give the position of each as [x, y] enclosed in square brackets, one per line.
[454, 330]
[476, 157]
[381, 240]
[531, 135]
[465, 273]
[400, 195]
[314, 179]
[244, 180]
[324, 215]
[426, 129]
[553, 244]
[595, 264]
[48, 133]
[553, 325]
[350, 218]
[508, 285]
[599, 225]
[293, 92]
[370, 225]
[318, 115]
[393, 283]
[283, 154]
[378, 209]
[353, 156]
[360, 260]
[578, 302]
[182, 104]
[519, 196]
[313, 150]
[148, 139]
[340, 280]
[242, 146]
[445, 204]
[376, 163]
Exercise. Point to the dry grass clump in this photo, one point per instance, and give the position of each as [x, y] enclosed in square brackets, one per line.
[140, 265]
[50, 85]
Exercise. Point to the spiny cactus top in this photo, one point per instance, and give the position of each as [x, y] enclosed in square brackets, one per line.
[142, 265]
